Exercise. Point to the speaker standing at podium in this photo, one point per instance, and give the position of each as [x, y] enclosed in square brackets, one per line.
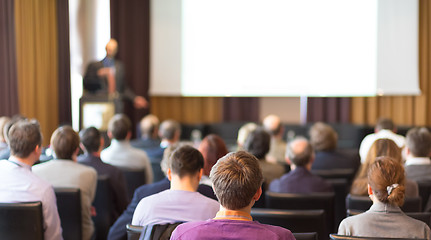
[107, 77]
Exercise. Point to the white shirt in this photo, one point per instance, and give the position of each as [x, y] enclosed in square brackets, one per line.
[417, 161]
[384, 133]
[122, 154]
[69, 174]
[19, 184]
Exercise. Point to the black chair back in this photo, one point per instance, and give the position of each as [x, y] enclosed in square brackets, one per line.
[344, 173]
[69, 210]
[133, 232]
[103, 202]
[425, 192]
[21, 221]
[311, 201]
[341, 189]
[305, 236]
[153, 232]
[134, 179]
[342, 237]
[411, 204]
[298, 221]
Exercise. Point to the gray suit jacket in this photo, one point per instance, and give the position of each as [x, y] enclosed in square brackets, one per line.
[384, 220]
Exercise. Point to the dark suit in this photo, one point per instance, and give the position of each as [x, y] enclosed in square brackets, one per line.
[116, 180]
[327, 160]
[300, 180]
[94, 84]
[118, 230]
[155, 153]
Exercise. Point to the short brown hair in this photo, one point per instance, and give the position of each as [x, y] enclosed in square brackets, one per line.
[90, 138]
[299, 157]
[385, 123]
[384, 173]
[64, 142]
[186, 160]
[168, 129]
[418, 141]
[236, 178]
[323, 137]
[119, 126]
[24, 136]
[258, 143]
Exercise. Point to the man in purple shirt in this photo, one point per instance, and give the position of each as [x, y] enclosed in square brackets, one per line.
[237, 180]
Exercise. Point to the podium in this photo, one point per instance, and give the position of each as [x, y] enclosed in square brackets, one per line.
[97, 109]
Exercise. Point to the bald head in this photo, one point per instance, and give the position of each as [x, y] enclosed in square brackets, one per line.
[111, 48]
[300, 152]
[272, 124]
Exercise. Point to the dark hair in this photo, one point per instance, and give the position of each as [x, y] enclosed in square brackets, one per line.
[385, 123]
[418, 141]
[299, 155]
[385, 172]
[186, 160]
[236, 178]
[212, 148]
[119, 126]
[258, 143]
[64, 142]
[24, 136]
[323, 137]
[168, 129]
[90, 138]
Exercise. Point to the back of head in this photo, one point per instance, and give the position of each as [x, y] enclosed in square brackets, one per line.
[244, 131]
[90, 138]
[323, 137]
[386, 178]
[9, 125]
[381, 147]
[166, 160]
[299, 151]
[236, 178]
[258, 143]
[64, 142]
[385, 123]
[3, 122]
[212, 148]
[119, 126]
[272, 124]
[24, 136]
[186, 161]
[149, 125]
[418, 141]
[169, 130]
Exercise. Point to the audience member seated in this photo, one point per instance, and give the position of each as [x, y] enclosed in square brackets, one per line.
[19, 184]
[243, 133]
[277, 149]
[381, 147]
[418, 148]
[237, 179]
[385, 219]
[92, 143]
[300, 156]
[149, 140]
[5, 153]
[169, 132]
[385, 128]
[118, 230]
[120, 153]
[3, 144]
[257, 143]
[182, 202]
[324, 139]
[212, 149]
[64, 171]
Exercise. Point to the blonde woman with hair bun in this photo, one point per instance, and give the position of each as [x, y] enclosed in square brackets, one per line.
[386, 188]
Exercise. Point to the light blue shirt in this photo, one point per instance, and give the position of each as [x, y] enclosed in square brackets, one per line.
[122, 154]
[19, 184]
[172, 206]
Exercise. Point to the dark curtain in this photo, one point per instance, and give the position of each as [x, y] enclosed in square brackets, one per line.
[130, 25]
[9, 104]
[64, 91]
[330, 110]
[241, 109]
